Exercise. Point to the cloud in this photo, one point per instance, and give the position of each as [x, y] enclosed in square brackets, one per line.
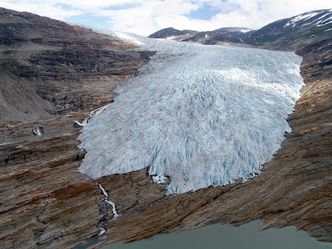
[146, 16]
[42, 8]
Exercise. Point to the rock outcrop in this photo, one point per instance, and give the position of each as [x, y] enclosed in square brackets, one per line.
[45, 203]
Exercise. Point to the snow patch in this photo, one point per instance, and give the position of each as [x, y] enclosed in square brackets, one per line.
[324, 22]
[301, 17]
[101, 231]
[202, 115]
[81, 124]
[38, 131]
[91, 114]
[323, 16]
[172, 38]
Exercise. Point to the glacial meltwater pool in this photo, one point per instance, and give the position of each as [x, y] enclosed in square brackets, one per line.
[218, 236]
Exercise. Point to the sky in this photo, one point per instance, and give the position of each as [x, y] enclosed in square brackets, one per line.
[144, 17]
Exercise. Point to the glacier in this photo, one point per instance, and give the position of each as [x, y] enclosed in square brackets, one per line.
[197, 115]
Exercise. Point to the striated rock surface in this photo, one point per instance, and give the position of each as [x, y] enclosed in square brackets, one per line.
[45, 203]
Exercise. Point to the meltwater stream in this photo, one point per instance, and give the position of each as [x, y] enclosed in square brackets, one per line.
[200, 115]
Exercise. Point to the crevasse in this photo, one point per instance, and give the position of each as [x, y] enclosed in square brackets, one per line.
[201, 115]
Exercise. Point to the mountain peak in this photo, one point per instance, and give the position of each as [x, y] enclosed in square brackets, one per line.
[171, 32]
[317, 18]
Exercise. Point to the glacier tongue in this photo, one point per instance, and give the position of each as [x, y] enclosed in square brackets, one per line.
[201, 115]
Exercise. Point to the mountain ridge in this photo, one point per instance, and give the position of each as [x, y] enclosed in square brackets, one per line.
[247, 37]
[308, 34]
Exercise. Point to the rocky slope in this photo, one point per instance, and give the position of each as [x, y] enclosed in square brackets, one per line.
[45, 203]
[174, 34]
[49, 67]
[234, 34]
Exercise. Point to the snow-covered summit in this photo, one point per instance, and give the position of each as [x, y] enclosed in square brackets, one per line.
[317, 18]
[200, 115]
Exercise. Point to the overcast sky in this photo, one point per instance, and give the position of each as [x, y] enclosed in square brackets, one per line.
[147, 16]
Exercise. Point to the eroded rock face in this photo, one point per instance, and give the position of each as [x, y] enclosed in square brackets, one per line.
[45, 203]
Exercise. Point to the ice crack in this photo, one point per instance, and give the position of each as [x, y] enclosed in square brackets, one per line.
[200, 115]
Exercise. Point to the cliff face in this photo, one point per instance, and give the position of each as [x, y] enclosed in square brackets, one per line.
[45, 203]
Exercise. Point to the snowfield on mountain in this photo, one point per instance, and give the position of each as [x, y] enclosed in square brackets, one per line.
[318, 18]
[200, 115]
